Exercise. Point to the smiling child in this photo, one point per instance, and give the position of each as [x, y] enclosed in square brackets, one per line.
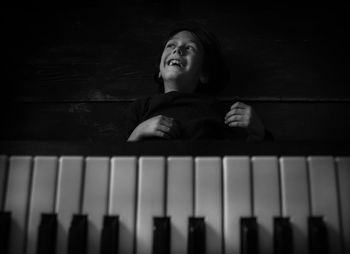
[191, 70]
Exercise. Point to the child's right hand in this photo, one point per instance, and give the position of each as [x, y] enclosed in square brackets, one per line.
[157, 126]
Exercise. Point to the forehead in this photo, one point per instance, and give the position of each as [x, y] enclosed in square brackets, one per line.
[186, 36]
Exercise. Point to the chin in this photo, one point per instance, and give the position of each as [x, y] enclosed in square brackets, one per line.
[172, 76]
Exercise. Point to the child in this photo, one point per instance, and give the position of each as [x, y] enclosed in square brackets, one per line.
[191, 69]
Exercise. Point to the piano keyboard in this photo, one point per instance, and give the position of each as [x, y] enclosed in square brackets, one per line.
[174, 204]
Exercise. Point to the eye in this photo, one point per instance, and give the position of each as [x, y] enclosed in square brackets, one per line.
[191, 47]
[170, 45]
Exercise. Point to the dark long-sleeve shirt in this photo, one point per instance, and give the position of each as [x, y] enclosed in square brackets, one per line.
[198, 116]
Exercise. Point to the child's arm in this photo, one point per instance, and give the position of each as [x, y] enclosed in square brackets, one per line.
[242, 115]
[158, 126]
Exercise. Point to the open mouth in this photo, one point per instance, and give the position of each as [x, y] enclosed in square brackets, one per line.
[175, 62]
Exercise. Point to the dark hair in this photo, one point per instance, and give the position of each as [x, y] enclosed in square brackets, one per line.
[214, 64]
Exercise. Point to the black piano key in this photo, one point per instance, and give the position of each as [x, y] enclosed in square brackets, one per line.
[161, 235]
[196, 235]
[318, 235]
[77, 235]
[249, 235]
[283, 237]
[110, 235]
[5, 227]
[46, 242]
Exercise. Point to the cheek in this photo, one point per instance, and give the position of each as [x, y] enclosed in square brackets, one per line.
[161, 67]
[161, 63]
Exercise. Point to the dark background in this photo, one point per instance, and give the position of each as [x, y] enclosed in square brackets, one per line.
[69, 74]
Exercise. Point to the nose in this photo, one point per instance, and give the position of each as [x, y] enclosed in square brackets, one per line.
[179, 50]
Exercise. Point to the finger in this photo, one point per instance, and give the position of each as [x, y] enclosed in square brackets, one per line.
[163, 131]
[243, 112]
[172, 130]
[238, 104]
[238, 124]
[162, 118]
[235, 118]
[236, 111]
[161, 134]
[167, 121]
[173, 124]
[163, 128]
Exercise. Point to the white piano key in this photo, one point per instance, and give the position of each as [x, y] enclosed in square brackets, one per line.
[208, 199]
[3, 174]
[42, 196]
[237, 199]
[17, 200]
[324, 201]
[266, 198]
[295, 199]
[179, 201]
[343, 165]
[68, 199]
[95, 199]
[150, 200]
[123, 186]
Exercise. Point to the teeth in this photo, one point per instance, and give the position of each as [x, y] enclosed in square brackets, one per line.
[175, 61]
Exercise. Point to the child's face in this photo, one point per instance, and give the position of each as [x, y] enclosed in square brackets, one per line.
[181, 62]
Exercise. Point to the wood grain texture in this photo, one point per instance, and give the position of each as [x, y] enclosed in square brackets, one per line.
[99, 54]
[69, 74]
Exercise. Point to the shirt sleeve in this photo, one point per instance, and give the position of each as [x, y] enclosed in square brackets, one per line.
[133, 115]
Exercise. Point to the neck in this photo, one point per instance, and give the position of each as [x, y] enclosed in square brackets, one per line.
[167, 90]
[171, 86]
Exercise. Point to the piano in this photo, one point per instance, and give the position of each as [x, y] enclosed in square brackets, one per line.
[175, 198]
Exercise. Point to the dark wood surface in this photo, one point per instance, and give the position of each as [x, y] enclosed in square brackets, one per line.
[173, 148]
[110, 53]
[70, 74]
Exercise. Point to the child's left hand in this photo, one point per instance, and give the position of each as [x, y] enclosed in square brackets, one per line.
[242, 115]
